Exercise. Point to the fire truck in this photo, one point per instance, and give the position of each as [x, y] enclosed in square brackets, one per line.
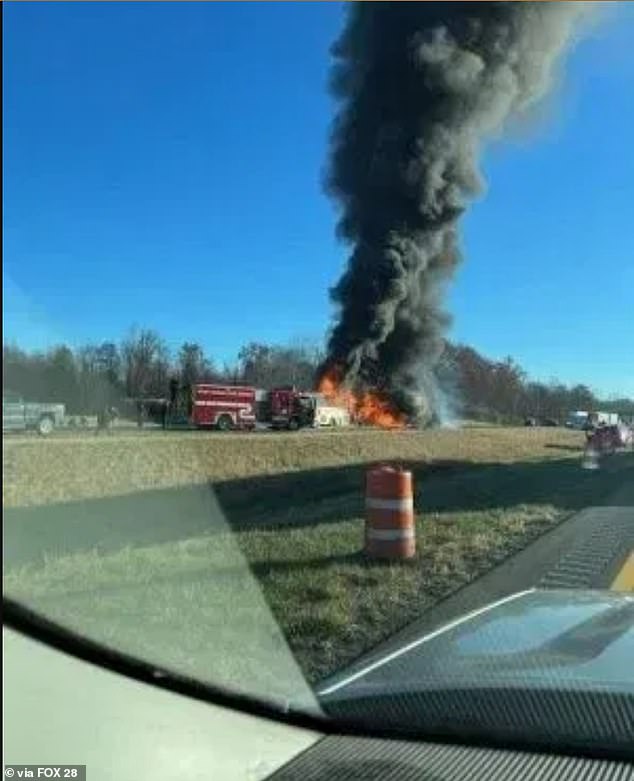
[239, 407]
[291, 409]
[224, 407]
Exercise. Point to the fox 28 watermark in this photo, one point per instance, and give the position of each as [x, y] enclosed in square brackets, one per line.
[72, 772]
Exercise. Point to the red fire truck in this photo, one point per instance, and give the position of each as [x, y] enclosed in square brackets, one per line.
[290, 409]
[293, 409]
[224, 407]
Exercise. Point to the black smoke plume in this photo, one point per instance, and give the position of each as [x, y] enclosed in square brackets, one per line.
[420, 87]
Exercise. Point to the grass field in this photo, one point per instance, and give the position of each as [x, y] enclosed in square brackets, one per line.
[166, 574]
[82, 466]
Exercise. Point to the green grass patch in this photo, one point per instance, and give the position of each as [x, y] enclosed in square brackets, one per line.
[225, 604]
[330, 602]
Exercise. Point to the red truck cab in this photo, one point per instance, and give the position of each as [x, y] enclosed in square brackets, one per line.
[291, 409]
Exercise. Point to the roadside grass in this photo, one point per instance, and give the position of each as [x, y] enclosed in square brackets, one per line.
[193, 605]
[209, 603]
[40, 472]
[334, 604]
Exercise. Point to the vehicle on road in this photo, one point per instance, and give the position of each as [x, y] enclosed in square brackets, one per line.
[328, 414]
[547, 667]
[21, 415]
[544, 677]
[596, 419]
[242, 407]
[290, 409]
[211, 406]
[293, 409]
[585, 421]
[223, 407]
[577, 420]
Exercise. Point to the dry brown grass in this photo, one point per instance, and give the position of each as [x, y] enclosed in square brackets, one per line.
[66, 468]
[189, 581]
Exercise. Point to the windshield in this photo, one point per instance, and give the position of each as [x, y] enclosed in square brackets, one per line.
[296, 299]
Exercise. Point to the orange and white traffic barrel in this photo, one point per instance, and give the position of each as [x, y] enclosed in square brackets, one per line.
[389, 525]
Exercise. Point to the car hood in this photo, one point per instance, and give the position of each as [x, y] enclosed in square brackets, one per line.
[547, 637]
[562, 654]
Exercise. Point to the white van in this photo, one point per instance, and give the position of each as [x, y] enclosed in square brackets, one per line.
[328, 414]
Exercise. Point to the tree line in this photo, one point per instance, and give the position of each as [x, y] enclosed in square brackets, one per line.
[141, 365]
[503, 392]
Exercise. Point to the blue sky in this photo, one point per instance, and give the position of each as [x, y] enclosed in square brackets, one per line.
[163, 162]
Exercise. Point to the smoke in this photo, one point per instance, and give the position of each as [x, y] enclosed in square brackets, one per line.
[420, 87]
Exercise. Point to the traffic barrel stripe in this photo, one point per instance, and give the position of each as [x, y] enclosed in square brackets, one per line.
[389, 504]
[390, 534]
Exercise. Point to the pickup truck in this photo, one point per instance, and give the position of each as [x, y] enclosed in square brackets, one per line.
[19, 415]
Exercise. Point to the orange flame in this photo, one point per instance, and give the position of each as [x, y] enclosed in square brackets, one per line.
[368, 407]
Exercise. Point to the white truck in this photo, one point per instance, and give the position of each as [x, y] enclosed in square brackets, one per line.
[19, 415]
[603, 419]
[577, 420]
[328, 414]
[581, 420]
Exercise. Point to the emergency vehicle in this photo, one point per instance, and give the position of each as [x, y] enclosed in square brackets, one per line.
[292, 409]
[225, 407]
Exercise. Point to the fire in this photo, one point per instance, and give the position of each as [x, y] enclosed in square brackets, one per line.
[367, 407]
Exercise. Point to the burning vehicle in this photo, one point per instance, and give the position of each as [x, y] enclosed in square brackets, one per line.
[366, 407]
[420, 87]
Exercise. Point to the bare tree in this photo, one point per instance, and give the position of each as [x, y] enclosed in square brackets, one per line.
[267, 366]
[95, 376]
[191, 363]
[256, 363]
[145, 360]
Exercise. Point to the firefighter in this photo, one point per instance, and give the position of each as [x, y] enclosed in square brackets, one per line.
[140, 414]
[105, 418]
[171, 407]
[101, 422]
